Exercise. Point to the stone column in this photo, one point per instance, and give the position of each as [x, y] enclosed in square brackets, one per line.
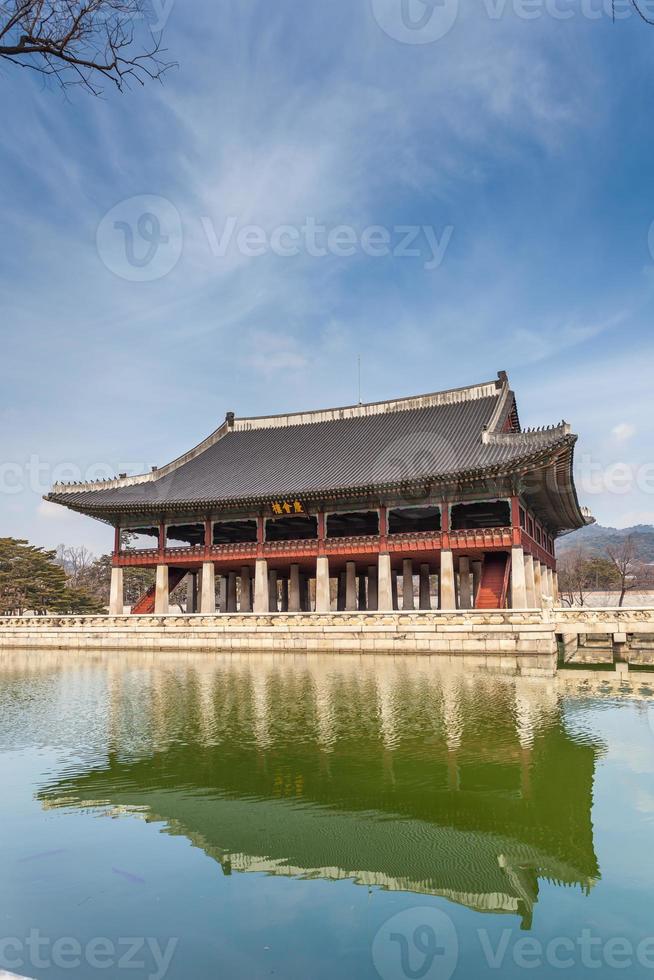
[447, 586]
[350, 586]
[407, 584]
[305, 599]
[208, 588]
[323, 600]
[294, 589]
[372, 587]
[284, 595]
[116, 592]
[518, 586]
[425, 591]
[340, 592]
[394, 589]
[161, 589]
[551, 576]
[222, 594]
[384, 584]
[231, 592]
[547, 582]
[538, 585]
[273, 598]
[555, 587]
[465, 593]
[261, 596]
[362, 592]
[191, 593]
[246, 589]
[476, 579]
[530, 582]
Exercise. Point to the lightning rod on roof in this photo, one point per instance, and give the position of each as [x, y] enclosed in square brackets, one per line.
[359, 375]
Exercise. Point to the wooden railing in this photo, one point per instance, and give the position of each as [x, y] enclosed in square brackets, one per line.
[474, 539]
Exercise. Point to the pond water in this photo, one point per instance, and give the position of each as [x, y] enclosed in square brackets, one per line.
[292, 817]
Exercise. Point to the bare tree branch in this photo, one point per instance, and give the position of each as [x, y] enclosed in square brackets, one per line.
[80, 42]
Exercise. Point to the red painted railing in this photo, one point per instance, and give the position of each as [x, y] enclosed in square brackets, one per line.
[472, 539]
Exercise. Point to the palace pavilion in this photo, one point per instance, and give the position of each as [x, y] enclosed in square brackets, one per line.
[433, 501]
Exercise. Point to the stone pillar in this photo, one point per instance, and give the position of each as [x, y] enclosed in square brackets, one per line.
[362, 592]
[191, 592]
[554, 586]
[447, 586]
[384, 584]
[222, 594]
[476, 580]
[545, 579]
[305, 598]
[465, 593]
[350, 586]
[396, 604]
[530, 582]
[425, 591]
[518, 586]
[340, 592]
[231, 592]
[372, 587]
[407, 584]
[261, 595]
[161, 590]
[294, 589]
[538, 585]
[284, 595]
[246, 589]
[273, 599]
[116, 592]
[208, 588]
[323, 600]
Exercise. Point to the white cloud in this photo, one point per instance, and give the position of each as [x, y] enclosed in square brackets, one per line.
[623, 431]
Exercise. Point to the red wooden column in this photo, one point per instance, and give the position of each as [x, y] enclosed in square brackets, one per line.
[117, 541]
[383, 527]
[208, 537]
[445, 524]
[516, 534]
[321, 532]
[260, 536]
[162, 539]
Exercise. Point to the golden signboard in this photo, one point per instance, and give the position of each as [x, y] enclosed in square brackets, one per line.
[287, 507]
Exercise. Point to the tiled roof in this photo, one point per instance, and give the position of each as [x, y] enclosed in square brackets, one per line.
[367, 446]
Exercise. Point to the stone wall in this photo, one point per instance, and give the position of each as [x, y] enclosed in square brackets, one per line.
[504, 640]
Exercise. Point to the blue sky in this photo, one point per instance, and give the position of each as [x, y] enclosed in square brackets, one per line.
[524, 144]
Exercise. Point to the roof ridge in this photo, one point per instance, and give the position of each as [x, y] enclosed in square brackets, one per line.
[449, 396]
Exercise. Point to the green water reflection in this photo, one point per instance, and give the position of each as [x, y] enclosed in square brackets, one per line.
[273, 813]
[468, 788]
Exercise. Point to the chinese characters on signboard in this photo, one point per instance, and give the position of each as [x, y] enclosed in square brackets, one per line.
[284, 507]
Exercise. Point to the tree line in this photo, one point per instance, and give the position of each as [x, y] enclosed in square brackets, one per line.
[62, 580]
[620, 568]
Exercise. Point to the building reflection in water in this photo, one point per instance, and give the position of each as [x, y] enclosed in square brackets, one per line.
[393, 774]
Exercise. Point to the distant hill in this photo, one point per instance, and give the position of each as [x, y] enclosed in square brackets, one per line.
[595, 539]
